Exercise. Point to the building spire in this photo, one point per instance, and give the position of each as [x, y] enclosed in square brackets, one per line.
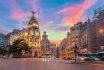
[33, 13]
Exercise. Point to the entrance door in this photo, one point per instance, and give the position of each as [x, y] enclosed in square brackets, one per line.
[36, 54]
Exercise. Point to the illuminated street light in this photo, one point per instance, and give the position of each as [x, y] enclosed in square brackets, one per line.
[101, 30]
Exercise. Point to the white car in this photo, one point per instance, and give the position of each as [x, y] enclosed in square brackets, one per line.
[82, 58]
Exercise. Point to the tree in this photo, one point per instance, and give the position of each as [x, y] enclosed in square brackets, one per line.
[18, 47]
[8, 50]
[2, 51]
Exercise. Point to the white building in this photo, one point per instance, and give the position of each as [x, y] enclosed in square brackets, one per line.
[45, 44]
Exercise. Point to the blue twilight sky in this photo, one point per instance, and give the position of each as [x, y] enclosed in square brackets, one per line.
[54, 16]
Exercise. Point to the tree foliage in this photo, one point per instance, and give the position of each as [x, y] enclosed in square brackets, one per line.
[17, 47]
[2, 51]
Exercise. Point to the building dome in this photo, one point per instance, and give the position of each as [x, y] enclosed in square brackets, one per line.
[33, 22]
[44, 35]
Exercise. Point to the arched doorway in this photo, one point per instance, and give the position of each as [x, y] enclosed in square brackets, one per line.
[36, 54]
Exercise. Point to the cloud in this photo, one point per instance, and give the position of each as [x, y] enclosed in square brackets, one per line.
[17, 14]
[51, 25]
[75, 13]
[33, 3]
[50, 22]
[47, 26]
[57, 42]
[4, 29]
[20, 17]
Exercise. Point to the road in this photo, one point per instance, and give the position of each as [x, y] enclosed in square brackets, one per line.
[39, 64]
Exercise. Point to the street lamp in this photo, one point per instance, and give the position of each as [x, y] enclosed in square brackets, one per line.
[62, 51]
[52, 52]
[101, 30]
[57, 52]
[76, 52]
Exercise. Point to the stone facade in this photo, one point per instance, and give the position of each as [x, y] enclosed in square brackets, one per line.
[45, 44]
[96, 32]
[31, 35]
[3, 42]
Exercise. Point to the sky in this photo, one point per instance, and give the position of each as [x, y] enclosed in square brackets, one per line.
[54, 16]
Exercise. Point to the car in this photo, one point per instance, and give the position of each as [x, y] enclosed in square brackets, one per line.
[102, 59]
[96, 59]
[82, 58]
[89, 59]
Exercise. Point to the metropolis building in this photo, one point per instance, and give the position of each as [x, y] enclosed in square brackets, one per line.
[30, 34]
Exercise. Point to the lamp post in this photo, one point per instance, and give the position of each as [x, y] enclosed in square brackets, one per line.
[75, 51]
[52, 52]
[62, 51]
[57, 52]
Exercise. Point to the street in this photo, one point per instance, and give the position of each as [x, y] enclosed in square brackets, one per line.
[40, 64]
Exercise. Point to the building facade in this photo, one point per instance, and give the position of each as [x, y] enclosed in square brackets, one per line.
[45, 44]
[74, 37]
[31, 35]
[88, 35]
[3, 42]
[84, 38]
[96, 32]
[62, 48]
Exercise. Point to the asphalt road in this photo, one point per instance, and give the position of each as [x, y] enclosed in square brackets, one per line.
[40, 64]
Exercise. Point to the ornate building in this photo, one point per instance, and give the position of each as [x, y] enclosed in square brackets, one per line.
[31, 35]
[45, 44]
[74, 38]
[84, 38]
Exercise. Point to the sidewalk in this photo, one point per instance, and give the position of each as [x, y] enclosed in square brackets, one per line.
[92, 62]
[84, 62]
